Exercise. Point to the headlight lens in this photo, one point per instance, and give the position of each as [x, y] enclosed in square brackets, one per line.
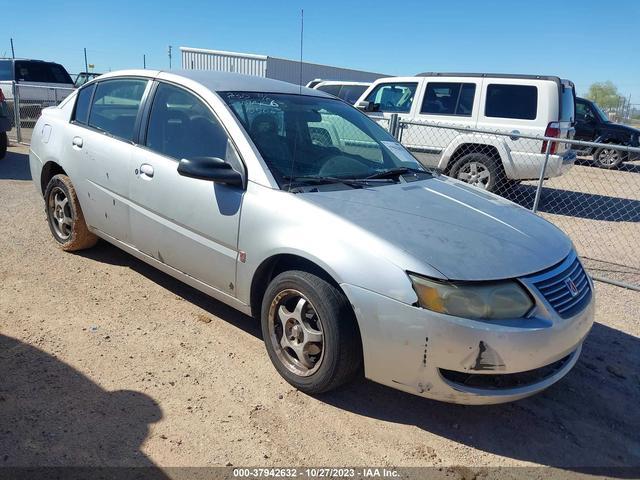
[491, 300]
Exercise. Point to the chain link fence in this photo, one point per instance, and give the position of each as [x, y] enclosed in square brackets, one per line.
[24, 104]
[589, 190]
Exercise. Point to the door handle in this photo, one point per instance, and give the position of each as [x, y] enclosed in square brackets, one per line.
[146, 169]
[77, 142]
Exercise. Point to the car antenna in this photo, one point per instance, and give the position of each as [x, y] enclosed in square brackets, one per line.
[295, 140]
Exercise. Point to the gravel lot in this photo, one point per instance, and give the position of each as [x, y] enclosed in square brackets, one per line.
[106, 361]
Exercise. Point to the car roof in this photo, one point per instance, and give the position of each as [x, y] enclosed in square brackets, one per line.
[220, 81]
[341, 82]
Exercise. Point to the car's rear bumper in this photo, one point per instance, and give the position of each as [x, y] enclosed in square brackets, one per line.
[464, 361]
[527, 166]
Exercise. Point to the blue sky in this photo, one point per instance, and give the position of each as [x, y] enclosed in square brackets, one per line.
[584, 40]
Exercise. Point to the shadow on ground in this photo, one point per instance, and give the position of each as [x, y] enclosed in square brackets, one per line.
[590, 419]
[629, 166]
[52, 415]
[578, 204]
[15, 166]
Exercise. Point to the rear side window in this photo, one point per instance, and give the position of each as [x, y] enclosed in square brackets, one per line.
[46, 72]
[393, 97]
[331, 89]
[567, 104]
[83, 102]
[512, 101]
[351, 93]
[115, 106]
[5, 70]
[449, 99]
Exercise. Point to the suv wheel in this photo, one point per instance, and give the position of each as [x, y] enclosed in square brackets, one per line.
[65, 217]
[608, 158]
[4, 142]
[310, 332]
[479, 170]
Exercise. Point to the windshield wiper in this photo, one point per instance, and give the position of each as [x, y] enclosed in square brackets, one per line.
[319, 180]
[394, 172]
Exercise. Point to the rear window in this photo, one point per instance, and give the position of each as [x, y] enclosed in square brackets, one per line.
[5, 70]
[83, 103]
[115, 106]
[332, 89]
[567, 104]
[351, 93]
[512, 101]
[46, 72]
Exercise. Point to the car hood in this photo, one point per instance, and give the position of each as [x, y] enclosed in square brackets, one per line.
[463, 232]
[618, 127]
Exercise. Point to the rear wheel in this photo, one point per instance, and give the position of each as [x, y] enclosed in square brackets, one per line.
[608, 158]
[479, 170]
[310, 332]
[4, 142]
[65, 217]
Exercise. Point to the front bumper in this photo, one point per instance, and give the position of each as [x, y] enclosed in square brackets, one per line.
[415, 350]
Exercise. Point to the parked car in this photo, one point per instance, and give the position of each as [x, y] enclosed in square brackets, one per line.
[5, 125]
[593, 125]
[350, 92]
[84, 77]
[525, 104]
[41, 84]
[350, 253]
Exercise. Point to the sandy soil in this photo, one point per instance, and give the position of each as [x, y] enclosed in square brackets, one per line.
[106, 361]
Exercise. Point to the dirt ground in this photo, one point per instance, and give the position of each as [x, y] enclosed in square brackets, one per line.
[106, 361]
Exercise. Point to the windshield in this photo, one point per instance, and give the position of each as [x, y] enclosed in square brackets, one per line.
[306, 138]
[603, 116]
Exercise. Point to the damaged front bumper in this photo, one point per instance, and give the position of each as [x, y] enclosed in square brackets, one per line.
[466, 361]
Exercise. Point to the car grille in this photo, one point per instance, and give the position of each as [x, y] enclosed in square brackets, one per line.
[568, 291]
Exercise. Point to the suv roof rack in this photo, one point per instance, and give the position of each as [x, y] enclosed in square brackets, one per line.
[491, 75]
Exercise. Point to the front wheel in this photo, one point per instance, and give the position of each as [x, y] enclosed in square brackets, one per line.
[4, 142]
[608, 158]
[310, 332]
[65, 216]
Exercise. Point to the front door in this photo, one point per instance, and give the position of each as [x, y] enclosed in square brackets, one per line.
[186, 223]
[585, 122]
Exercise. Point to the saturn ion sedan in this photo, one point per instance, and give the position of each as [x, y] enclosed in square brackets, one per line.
[292, 206]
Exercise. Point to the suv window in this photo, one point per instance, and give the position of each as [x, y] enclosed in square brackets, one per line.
[393, 97]
[449, 99]
[567, 104]
[351, 93]
[331, 89]
[512, 101]
[182, 126]
[5, 70]
[115, 106]
[83, 102]
[36, 71]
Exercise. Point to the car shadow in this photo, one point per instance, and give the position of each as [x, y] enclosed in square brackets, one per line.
[15, 166]
[630, 166]
[577, 204]
[588, 422]
[52, 416]
[106, 253]
[589, 419]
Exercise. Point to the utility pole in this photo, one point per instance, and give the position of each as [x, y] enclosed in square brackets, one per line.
[13, 53]
[86, 65]
[169, 57]
[144, 61]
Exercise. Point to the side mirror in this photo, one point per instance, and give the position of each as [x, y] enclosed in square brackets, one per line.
[209, 168]
[366, 106]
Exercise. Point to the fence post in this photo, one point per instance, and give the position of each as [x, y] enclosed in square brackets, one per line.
[16, 112]
[536, 201]
[393, 125]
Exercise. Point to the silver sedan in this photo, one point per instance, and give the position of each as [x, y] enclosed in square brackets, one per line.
[294, 207]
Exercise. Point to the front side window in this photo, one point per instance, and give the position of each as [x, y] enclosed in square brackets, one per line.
[393, 97]
[83, 102]
[449, 99]
[182, 126]
[512, 101]
[320, 138]
[115, 106]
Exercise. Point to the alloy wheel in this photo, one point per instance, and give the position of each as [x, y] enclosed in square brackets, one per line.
[608, 157]
[476, 174]
[60, 214]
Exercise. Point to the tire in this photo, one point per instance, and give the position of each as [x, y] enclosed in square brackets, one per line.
[326, 364]
[4, 143]
[608, 158]
[471, 167]
[65, 217]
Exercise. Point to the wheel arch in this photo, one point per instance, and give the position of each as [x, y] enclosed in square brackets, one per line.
[49, 170]
[464, 144]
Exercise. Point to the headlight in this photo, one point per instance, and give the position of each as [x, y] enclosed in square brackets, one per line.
[490, 300]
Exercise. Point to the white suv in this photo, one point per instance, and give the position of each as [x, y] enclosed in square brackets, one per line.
[517, 104]
[350, 92]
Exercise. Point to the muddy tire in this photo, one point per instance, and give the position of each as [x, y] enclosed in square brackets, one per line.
[4, 142]
[65, 217]
[310, 332]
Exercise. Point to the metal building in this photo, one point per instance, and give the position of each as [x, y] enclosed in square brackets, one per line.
[267, 66]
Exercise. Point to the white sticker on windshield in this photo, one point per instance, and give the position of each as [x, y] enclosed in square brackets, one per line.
[399, 151]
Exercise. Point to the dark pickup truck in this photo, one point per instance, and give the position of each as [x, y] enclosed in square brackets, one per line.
[593, 125]
[5, 125]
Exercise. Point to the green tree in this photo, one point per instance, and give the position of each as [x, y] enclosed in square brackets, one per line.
[604, 94]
